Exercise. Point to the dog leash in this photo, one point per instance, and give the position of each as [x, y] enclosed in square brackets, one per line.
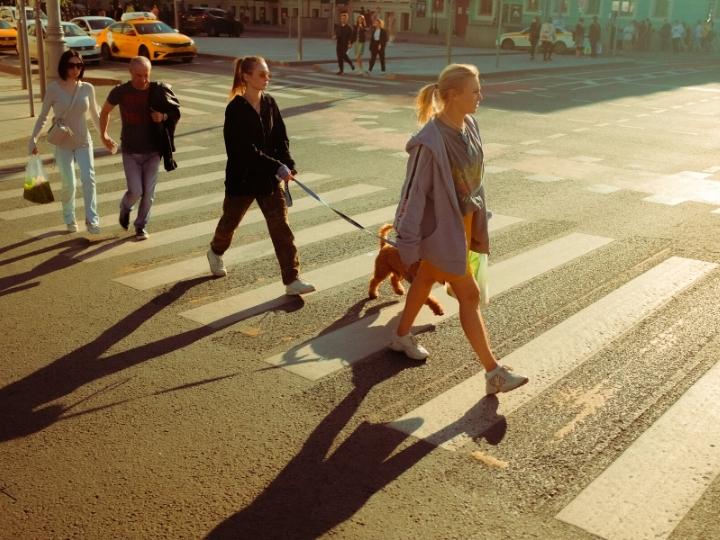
[288, 201]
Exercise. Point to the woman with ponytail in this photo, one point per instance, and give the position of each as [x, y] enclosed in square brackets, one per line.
[442, 214]
[258, 152]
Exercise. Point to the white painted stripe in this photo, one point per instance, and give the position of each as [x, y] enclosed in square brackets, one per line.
[456, 416]
[339, 81]
[404, 155]
[556, 135]
[198, 265]
[104, 161]
[538, 152]
[200, 101]
[333, 351]
[603, 188]
[367, 148]
[192, 112]
[197, 230]
[668, 200]
[544, 178]
[648, 490]
[712, 170]
[370, 80]
[162, 209]
[533, 141]
[249, 303]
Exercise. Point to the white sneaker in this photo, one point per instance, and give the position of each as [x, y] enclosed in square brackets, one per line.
[299, 287]
[217, 266]
[408, 344]
[71, 227]
[92, 229]
[501, 379]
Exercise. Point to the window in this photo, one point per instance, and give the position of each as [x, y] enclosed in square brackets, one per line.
[561, 7]
[661, 8]
[485, 8]
[593, 7]
[420, 8]
[438, 6]
[532, 5]
[624, 7]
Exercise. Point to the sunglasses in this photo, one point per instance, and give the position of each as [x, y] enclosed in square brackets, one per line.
[78, 65]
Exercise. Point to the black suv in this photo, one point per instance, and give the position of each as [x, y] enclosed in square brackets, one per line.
[212, 21]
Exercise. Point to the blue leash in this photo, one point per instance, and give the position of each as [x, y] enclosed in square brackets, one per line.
[289, 202]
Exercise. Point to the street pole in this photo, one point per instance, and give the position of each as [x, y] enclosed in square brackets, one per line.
[448, 33]
[177, 15]
[40, 38]
[299, 48]
[497, 34]
[26, 55]
[55, 42]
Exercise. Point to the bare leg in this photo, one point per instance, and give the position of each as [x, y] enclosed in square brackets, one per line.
[468, 296]
[418, 293]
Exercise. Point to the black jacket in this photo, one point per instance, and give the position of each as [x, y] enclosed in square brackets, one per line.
[256, 146]
[377, 45]
[162, 99]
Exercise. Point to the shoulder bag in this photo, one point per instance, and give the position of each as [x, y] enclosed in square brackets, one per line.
[60, 133]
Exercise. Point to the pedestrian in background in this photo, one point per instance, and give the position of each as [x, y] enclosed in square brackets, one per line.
[343, 40]
[595, 35]
[677, 33]
[258, 152]
[579, 36]
[442, 214]
[72, 99]
[665, 35]
[547, 39]
[534, 36]
[378, 42]
[359, 35]
[141, 144]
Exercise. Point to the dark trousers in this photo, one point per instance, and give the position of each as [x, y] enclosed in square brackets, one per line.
[342, 55]
[547, 49]
[374, 53]
[593, 48]
[533, 46]
[275, 211]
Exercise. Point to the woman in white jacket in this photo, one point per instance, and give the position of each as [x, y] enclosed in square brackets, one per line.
[71, 99]
[442, 214]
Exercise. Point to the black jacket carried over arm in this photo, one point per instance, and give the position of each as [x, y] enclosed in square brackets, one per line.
[164, 100]
[256, 147]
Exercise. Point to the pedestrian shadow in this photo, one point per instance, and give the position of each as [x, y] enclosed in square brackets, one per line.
[27, 242]
[318, 489]
[26, 406]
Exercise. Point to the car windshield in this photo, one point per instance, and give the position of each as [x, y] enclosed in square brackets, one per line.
[73, 30]
[153, 28]
[99, 24]
[30, 14]
[4, 25]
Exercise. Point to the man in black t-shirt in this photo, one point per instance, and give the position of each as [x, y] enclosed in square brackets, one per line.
[140, 146]
[343, 40]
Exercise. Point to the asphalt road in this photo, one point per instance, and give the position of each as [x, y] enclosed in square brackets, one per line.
[122, 416]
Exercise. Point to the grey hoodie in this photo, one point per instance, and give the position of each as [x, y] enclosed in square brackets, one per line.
[428, 220]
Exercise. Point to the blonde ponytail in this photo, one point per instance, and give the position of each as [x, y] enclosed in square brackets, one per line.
[432, 97]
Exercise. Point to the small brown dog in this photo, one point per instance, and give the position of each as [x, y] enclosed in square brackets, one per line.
[388, 263]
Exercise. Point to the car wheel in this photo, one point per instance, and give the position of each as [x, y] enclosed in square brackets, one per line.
[508, 44]
[560, 47]
[212, 31]
[144, 52]
[189, 59]
[105, 52]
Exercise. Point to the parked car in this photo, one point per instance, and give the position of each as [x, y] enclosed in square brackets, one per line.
[8, 35]
[94, 24]
[12, 15]
[210, 21]
[521, 40]
[75, 38]
[150, 38]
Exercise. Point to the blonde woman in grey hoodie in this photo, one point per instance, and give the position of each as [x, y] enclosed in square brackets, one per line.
[442, 215]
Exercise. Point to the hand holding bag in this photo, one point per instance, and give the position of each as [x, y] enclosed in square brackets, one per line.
[36, 187]
[59, 133]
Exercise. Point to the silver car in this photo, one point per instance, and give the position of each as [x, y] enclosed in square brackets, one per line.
[93, 24]
[75, 38]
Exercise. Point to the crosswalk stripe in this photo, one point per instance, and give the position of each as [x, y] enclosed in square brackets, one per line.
[333, 351]
[103, 161]
[459, 414]
[196, 230]
[273, 93]
[648, 490]
[200, 101]
[368, 80]
[249, 303]
[180, 205]
[198, 265]
[343, 82]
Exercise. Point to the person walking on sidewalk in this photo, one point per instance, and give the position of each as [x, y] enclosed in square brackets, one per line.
[579, 37]
[677, 32]
[442, 214]
[343, 41]
[359, 34]
[141, 146]
[595, 35]
[378, 42]
[71, 99]
[547, 39]
[534, 36]
[258, 152]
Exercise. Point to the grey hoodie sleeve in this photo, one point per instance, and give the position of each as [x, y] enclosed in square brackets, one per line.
[411, 208]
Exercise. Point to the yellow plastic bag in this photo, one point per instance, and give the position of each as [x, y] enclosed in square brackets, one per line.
[36, 187]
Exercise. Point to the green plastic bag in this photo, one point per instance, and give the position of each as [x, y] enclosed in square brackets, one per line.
[36, 187]
[478, 263]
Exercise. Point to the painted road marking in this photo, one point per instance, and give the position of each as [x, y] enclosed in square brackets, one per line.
[249, 303]
[648, 490]
[453, 418]
[196, 266]
[333, 351]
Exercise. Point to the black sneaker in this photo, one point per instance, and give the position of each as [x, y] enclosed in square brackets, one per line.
[124, 219]
[141, 234]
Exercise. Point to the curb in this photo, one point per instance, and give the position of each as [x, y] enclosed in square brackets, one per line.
[99, 81]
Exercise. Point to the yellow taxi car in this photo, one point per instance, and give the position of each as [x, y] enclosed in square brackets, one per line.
[8, 35]
[150, 38]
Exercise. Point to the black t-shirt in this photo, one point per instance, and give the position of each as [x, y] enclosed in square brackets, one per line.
[343, 35]
[138, 131]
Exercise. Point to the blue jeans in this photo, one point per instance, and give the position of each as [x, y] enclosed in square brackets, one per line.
[141, 172]
[65, 160]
